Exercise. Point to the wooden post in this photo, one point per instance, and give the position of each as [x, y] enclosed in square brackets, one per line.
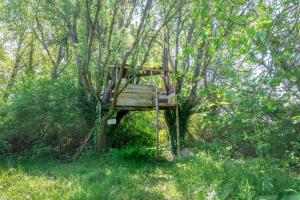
[157, 128]
[177, 128]
[117, 73]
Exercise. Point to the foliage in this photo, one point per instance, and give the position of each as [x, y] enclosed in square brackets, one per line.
[261, 126]
[136, 129]
[42, 117]
[234, 66]
[223, 55]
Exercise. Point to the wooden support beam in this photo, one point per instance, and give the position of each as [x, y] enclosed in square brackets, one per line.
[177, 128]
[137, 71]
[157, 128]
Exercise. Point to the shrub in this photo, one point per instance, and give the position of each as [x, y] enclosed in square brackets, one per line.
[242, 125]
[135, 130]
[41, 117]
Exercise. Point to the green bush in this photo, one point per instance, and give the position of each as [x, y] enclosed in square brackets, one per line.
[242, 125]
[135, 137]
[41, 118]
[135, 129]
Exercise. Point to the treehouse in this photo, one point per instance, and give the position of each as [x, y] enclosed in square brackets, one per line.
[143, 97]
[138, 97]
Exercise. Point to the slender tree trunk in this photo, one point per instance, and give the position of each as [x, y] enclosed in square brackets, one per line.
[29, 68]
[105, 132]
[113, 128]
[102, 139]
[170, 118]
[16, 68]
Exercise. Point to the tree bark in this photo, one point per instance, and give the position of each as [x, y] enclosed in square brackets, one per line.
[170, 118]
[30, 68]
[16, 68]
[105, 133]
[102, 139]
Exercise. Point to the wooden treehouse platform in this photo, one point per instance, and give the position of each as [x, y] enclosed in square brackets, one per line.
[136, 97]
[144, 97]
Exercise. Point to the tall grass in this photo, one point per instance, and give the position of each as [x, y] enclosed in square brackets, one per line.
[111, 177]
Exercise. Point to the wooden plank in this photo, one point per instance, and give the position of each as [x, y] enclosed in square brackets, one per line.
[137, 71]
[150, 87]
[135, 97]
[134, 102]
[133, 90]
[127, 95]
[140, 86]
[148, 95]
[160, 70]
[134, 108]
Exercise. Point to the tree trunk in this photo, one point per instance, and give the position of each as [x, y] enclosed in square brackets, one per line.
[101, 138]
[16, 68]
[87, 105]
[105, 132]
[170, 118]
[112, 128]
[29, 68]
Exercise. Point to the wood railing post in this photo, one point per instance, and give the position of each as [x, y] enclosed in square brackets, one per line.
[177, 127]
[157, 128]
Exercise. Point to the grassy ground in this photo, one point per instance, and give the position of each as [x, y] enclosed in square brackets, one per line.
[110, 177]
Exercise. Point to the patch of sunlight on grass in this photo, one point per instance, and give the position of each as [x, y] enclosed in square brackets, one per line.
[17, 184]
[168, 190]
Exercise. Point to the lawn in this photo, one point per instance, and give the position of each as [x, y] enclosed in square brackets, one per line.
[110, 177]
